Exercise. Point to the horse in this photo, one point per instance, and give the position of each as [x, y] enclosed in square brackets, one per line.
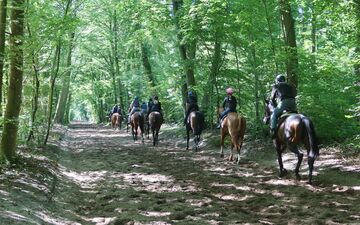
[195, 123]
[293, 130]
[116, 120]
[233, 125]
[155, 121]
[137, 123]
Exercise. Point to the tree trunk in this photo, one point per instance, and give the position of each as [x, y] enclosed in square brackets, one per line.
[207, 102]
[61, 106]
[357, 49]
[290, 42]
[11, 120]
[36, 92]
[53, 76]
[3, 10]
[187, 53]
[270, 33]
[147, 65]
[67, 111]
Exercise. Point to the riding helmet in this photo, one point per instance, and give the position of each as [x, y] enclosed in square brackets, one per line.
[229, 91]
[280, 78]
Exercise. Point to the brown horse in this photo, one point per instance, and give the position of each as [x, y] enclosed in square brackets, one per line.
[196, 124]
[116, 120]
[292, 131]
[155, 122]
[233, 125]
[137, 124]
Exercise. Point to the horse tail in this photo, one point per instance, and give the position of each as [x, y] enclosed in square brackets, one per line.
[310, 130]
[198, 125]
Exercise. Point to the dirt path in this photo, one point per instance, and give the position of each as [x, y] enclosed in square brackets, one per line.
[101, 177]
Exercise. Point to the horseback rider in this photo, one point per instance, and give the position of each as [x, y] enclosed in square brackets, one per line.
[191, 105]
[116, 109]
[229, 105]
[156, 105]
[149, 105]
[144, 108]
[284, 94]
[134, 106]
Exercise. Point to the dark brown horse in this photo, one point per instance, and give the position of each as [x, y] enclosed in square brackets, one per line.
[137, 125]
[116, 120]
[155, 121]
[233, 125]
[196, 124]
[291, 131]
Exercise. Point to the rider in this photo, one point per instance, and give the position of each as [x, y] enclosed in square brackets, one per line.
[285, 94]
[144, 108]
[229, 105]
[149, 105]
[191, 105]
[134, 106]
[116, 109]
[156, 105]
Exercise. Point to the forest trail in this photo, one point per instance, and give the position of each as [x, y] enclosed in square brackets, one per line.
[101, 176]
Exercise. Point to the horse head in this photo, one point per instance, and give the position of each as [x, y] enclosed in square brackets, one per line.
[268, 109]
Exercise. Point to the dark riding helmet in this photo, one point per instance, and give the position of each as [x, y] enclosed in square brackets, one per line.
[191, 94]
[136, 98]
[150, 99]
[156, 97]
[280, 78]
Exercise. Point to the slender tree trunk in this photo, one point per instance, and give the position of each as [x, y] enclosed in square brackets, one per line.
[147, 65]
[290, 42]
[357, 49]
[3, 10]
[53, 76]
[187, 53]
[11, 120]
[209, 90]
[270, 33]
[313, 35]
[61, 106]
[67, 111]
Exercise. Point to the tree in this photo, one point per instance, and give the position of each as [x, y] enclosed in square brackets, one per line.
[288, 24]
[9, 137]
[3, 14]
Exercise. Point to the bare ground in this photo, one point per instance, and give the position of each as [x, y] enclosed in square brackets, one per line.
[93, 175]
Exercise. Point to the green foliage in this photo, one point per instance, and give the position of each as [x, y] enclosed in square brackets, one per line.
[107, 65]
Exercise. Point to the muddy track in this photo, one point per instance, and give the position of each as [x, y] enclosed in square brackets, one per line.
[104, 177]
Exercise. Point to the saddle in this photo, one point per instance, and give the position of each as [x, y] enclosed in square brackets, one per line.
[285, 114]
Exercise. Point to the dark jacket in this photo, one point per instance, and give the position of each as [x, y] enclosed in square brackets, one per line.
[230, 103]
[282, 91]
[156, 106]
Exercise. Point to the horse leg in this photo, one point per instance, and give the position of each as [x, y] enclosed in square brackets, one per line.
[187, 138]
[293, 148]
[231, 156]
[153, 136]
[311, 161]
[281, 166]
[222, 144]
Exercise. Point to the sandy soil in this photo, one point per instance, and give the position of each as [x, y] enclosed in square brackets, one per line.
[94, 175]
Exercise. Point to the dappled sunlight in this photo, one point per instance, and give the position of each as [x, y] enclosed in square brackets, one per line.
[101, 176]
[44, 216]
[153, 182]
[87, 179]
[13, 215]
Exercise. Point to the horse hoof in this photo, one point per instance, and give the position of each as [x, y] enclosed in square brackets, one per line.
[221, 155]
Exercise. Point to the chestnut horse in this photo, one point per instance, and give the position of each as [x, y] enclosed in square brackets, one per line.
[233, 125]
[195, 123]
[137, 124]
[291, 131]
[155, 121]
[116, 120]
